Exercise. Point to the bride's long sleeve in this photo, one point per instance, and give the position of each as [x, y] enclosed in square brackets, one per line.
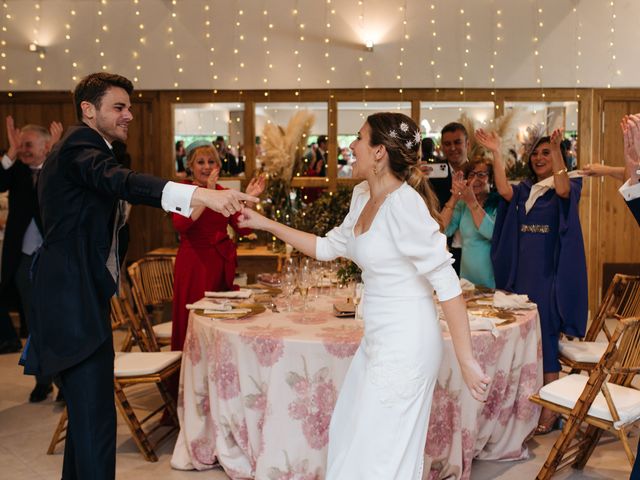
[417, 236]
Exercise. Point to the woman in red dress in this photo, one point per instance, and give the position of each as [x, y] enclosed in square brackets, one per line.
[206, 259]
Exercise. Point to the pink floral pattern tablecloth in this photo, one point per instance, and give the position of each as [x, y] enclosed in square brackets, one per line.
[256, 395]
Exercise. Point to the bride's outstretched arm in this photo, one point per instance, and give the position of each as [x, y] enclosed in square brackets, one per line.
[455, 312]
[302, 241]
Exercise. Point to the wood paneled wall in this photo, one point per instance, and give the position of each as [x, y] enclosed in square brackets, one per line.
[609, 230]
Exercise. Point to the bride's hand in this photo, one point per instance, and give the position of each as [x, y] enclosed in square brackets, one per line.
[251, 219]
[477, 381]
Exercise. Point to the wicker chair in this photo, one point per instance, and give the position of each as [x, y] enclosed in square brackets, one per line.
[137, 368]
[152, 287]
[602, 401]
[622, 300]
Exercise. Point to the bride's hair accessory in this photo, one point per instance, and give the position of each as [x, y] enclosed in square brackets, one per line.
[411, 142]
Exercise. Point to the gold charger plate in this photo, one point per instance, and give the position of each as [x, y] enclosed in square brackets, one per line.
[273, 291]
[492, 312]
[255, 309]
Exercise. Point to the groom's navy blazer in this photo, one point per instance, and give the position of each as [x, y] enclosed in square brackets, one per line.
[78, 193]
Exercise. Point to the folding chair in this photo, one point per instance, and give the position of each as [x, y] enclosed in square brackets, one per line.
[606, 402]
[137, 368]
[152, 287]
[622, 300]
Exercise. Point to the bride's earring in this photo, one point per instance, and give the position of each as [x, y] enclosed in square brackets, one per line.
[375, 168]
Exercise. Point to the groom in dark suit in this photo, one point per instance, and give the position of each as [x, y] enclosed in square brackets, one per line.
[77, 269]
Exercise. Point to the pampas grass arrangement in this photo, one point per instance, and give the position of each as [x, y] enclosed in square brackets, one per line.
[284, 148]
[282, 152]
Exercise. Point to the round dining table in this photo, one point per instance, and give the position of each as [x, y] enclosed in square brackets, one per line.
[256, 394]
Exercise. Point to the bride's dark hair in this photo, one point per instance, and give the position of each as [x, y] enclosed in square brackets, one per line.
[401, 137]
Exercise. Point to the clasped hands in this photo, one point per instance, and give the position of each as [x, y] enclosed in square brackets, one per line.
[461, 188]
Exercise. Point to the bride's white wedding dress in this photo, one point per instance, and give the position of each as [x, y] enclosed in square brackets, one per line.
[379, 425]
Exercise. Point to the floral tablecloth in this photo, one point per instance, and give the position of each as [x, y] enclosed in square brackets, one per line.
[256, 395]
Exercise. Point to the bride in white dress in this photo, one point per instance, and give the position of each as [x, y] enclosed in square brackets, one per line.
[379, 425]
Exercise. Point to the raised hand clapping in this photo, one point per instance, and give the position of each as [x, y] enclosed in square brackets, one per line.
[489, 140]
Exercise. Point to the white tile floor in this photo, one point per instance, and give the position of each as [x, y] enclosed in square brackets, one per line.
[25, 432]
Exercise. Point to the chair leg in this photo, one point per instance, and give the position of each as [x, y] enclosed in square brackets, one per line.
[127, 343]
[57, 434]
[138, 434]
[559, 448]
[592, 435]
[169, 401]
[622, 435]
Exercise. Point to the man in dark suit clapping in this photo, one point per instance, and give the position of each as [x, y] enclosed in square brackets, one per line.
[21, 164]
[80, 192]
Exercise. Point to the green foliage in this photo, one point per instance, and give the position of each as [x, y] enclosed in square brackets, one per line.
[348, 272]
[321, 216]
[324, 213]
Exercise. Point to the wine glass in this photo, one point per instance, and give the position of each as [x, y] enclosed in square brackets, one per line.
[332, 270]
[305, 281]
[288, 287]
[358, 287]
[316, 277]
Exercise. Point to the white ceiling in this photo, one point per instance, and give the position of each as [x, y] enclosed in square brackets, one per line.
[595, 45]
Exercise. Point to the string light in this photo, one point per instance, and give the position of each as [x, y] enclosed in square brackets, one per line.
[537, 61]
[327, 28]
[403, 42]
[297, 49]
[465, 56]
[236, 38]
[7, 17]
[435, 55]
[36, 40]
[363, 59]
[209, 40]
[612, 44]
[177, 56]
[67, 50]
[135, 54]
[267, 52]
[577, 45]
[497, 39]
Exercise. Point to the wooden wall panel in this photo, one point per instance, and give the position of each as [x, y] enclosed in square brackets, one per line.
[619, 231]
[608, 228]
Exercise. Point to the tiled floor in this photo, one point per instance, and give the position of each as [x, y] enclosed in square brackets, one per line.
[25, 432]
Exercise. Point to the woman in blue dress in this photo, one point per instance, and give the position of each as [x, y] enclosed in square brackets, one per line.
[537, 247]
[472, 209]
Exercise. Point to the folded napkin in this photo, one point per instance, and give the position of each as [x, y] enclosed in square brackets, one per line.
[477, 323]
[205, 304]
[271, 279]
[234, 312]
[242, 293]
[511, 301]
[344, 309]
[466, 285]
